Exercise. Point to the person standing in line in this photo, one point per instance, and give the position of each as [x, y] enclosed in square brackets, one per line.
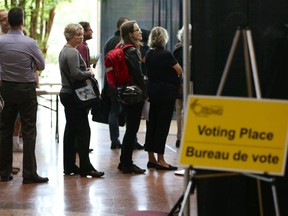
[77, 130]
[19, 55]
[115, 107]
[83, 48]
[5, 27]
[163, 73]
[178, 54]
[143, 50]
[131, 34]
[17, 142]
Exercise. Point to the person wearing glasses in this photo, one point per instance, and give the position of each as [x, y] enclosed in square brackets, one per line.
[77, 131]
[115, 107]
[131, 34]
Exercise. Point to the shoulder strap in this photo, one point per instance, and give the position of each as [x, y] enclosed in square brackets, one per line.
[124, 46]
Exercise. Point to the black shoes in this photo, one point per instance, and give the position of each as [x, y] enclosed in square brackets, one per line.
[131, 169]
[178, 143]
[151, 165]
[92, 173]
[138, 146]
[170, 167]
[6, 178]
[116, 145]
[36, 179]
[15, 170]
[159, 167]
[74, 171]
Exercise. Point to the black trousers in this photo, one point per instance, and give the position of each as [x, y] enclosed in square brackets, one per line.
[20, 98]
[160, 115]
[133, 119]
[76, 135]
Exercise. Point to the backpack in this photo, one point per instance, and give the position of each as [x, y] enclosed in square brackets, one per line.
[116, 68]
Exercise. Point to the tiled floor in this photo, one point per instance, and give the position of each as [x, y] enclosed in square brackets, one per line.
[114, 194]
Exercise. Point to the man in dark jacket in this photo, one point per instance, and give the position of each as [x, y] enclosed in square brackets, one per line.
[109, 92]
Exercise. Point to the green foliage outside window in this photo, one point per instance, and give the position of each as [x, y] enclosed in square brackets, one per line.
[39, 17]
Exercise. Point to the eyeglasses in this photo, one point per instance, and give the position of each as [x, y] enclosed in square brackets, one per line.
[137, 30]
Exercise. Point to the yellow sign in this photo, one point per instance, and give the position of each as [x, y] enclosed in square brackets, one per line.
[234, 134]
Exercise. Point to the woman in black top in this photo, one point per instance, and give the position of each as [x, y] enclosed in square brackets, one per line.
[131, 34]
[163, 73]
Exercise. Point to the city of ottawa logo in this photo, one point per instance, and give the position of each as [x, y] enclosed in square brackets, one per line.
[205, 110]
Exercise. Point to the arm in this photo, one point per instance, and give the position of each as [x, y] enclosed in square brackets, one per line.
[37, 56]
[77, 67]
[134, 66]
[178, 69]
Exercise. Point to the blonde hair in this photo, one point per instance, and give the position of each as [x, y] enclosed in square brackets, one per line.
[158, 37]
[181, 32]
[71, 30]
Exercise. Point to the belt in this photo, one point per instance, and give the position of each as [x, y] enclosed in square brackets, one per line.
[12, 82]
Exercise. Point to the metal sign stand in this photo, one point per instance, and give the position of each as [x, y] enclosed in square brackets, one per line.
[250, 61]
[249, 51]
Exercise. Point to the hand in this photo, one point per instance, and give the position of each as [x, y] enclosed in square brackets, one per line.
[91, 72]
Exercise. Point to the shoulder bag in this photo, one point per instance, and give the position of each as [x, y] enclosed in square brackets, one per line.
[86, 92]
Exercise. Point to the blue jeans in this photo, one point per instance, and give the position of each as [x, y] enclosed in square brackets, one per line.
[113, 121]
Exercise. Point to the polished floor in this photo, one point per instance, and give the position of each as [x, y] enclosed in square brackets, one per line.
[114, 194]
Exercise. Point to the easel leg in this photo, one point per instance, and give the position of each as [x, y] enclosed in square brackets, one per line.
[186, 195]
[247, 64]
[273, 187]
[182, 201]
[260, 197]
[253, 63]
[229, 61]
[274, 193]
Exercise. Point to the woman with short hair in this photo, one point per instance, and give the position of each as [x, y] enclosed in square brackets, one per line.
[163, 73]
[77, 130]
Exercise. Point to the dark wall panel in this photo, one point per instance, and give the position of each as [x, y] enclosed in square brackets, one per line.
[214, 25]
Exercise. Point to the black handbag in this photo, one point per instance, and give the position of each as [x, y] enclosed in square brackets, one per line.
[100, 112]
[129, 94]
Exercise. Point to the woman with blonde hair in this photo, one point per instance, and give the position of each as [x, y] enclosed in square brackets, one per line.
[178, 54]
[163, 73]
[77, 130]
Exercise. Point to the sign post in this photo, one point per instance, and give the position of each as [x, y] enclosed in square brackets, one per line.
[249, 137]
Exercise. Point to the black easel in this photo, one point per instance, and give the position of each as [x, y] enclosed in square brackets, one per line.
[250, 62]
